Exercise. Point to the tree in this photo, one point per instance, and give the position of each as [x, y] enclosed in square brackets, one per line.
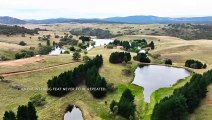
[76, 56]
[152, 45]
[93, 43]
[126, 106]
[22, 43]
[168, 62]
[142, 57]
[22, 113]
[174, 108]
[31, 112]
[72, 48]
[9, 115]
[48, 42]
[126, 45]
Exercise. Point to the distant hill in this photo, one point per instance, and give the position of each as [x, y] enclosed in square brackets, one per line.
[66, 20]
[160, 20]
[11, 20]
[131, 20]
[128, 19]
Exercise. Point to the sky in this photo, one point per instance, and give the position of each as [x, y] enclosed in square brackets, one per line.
[43, 9]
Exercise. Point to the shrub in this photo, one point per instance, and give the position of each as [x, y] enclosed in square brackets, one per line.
[86, 58]
[168, 61]
[22, 43]
[38, 100]
[72, 48]
[66, 52]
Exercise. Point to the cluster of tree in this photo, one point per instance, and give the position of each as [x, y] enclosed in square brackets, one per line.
[84, 45]
[134, 46]
[44, 50]
[65, 82]
[125, 44]
[187, 31]
[44, 37]
[25, 112]
[139, 43]
[24, 54]
[14, 30]
[142, 57]
[125, 107]
[184, 100]
[85, 38]
[119, 57]
[195, 64]
[168, 61]
[68, 40]
[99, 33]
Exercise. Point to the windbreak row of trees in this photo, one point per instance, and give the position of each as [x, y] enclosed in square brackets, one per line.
[13, 30]
[184, 100]
[62, 84]
[25, 112]
[119, 57]
[195, 64]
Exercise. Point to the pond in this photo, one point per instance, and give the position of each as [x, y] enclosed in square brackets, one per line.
[73, 113]
[100, 42]
[153, 77]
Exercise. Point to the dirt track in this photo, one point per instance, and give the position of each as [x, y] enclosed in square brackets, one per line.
[21, 62]
[34, 70]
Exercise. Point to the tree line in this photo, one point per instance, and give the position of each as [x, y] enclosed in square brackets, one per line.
[25, 112]
[119, 57]
[60, 85]
[184, 100]
[14, 30]
[195, 64]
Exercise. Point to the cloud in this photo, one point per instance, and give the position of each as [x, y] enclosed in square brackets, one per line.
[41, 9]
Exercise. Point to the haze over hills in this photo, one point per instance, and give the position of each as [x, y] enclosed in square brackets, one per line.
[128, 19]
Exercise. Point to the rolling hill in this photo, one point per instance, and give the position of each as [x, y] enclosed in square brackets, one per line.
[128, 19]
